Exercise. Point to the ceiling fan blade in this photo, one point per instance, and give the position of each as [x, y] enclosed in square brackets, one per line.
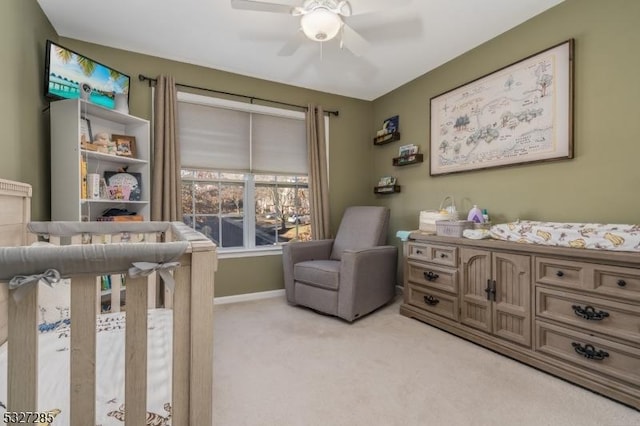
[292, 45]
[353, 41]
[261, 6]
[373, 6]
[392, 29]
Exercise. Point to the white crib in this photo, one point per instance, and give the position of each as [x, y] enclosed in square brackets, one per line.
[191, 301]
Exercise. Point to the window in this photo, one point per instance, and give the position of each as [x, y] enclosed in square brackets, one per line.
[244, 172]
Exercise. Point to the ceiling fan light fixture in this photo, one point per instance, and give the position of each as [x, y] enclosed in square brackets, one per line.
[321, 24]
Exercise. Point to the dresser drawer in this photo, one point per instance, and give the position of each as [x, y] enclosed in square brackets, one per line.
[433, 301]
[617, 281]
[598, 355]
[620, 320]
[442, 255]
[560, 272]
[438, 277]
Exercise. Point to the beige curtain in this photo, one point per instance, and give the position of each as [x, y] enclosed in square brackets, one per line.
[318, 173]
[166, 200]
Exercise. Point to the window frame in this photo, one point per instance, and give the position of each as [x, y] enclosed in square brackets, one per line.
[249, 214]
[249, 183]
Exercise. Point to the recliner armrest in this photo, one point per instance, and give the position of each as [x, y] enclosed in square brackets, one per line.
[372, 258]
[367, 279]
[364, 251]
[293, 253]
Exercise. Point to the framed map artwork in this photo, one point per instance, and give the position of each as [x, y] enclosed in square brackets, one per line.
[519, 114]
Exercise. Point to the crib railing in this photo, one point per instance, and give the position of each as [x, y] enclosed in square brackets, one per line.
[191, 301]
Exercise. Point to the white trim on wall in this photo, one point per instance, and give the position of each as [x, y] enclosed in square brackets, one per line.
[248, 296]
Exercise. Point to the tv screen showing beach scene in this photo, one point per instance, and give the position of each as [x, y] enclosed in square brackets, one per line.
[67, 72]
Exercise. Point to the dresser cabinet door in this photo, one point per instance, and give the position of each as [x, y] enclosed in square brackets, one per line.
[475, 275]
[496, 293]
[512, 306]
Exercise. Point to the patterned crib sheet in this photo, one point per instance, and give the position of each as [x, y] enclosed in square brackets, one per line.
[54, 342]
[577, 235]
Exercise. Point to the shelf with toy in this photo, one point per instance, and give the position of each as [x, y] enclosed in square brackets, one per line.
[405, 160]
[88, 144]
[386, 189]
[386, 138]
[96, 155]
[390, 131]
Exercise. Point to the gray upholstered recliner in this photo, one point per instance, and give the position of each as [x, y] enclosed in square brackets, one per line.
[348, 276]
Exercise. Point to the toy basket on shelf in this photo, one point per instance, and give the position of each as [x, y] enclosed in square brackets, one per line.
[452, 228]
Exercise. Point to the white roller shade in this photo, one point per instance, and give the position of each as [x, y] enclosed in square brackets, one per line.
[279, 145]
[220, 134]
[213, 138]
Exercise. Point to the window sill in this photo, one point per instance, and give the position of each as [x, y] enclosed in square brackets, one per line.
[254, 252]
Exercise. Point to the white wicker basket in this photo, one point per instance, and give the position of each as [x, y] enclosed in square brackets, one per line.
[452, 228]
[428, 218]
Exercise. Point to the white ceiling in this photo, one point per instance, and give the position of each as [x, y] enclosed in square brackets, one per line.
[405, 41]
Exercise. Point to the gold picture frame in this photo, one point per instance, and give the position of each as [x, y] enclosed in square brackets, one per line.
[125, 145]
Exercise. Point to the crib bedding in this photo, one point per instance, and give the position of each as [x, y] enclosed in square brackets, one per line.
[53, 362]
[577, 235]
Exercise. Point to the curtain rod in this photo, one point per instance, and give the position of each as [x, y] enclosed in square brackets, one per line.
[251, 98]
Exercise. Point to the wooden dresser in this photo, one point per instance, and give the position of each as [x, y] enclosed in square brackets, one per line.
[574, 313]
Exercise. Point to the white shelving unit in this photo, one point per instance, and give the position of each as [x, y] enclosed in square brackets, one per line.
[66, 155]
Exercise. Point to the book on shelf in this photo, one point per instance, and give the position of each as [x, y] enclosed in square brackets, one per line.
[83, 178]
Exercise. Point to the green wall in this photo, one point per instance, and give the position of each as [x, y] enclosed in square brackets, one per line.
[349, 140]
[24, 30]
[25, 137]
[600, 184]
[249, 274]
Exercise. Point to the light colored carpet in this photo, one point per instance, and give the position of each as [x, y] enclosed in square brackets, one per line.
[275, 364]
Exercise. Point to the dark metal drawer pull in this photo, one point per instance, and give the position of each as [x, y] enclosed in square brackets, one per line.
[443, 255]
[589, 313]
[560, 273]
[622, 283]
[589, 352]
[431, 301]
[431, 276]
[418, 251]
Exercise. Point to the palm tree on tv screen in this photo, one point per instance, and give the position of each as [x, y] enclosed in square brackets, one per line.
[120, 80]
[87, 65]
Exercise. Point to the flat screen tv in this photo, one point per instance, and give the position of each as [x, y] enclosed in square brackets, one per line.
[67, 73]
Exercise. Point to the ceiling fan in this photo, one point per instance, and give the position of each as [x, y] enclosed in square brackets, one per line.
[320, 20]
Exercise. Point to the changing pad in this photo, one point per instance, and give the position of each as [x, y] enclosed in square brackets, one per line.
[577, 235]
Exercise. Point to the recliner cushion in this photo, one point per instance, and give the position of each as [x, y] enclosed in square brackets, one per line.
[319, 273]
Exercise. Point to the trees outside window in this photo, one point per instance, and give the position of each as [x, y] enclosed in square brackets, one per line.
[216, 204]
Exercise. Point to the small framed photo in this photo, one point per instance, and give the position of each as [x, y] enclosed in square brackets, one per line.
[125, 145]
[407, 150]
[85, 131]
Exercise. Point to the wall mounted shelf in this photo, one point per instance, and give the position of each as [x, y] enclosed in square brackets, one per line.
[387, 189]
[387, 138]
[408, 159]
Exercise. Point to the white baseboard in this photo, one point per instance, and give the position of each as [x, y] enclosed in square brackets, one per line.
[249, 296]
[265, 295]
